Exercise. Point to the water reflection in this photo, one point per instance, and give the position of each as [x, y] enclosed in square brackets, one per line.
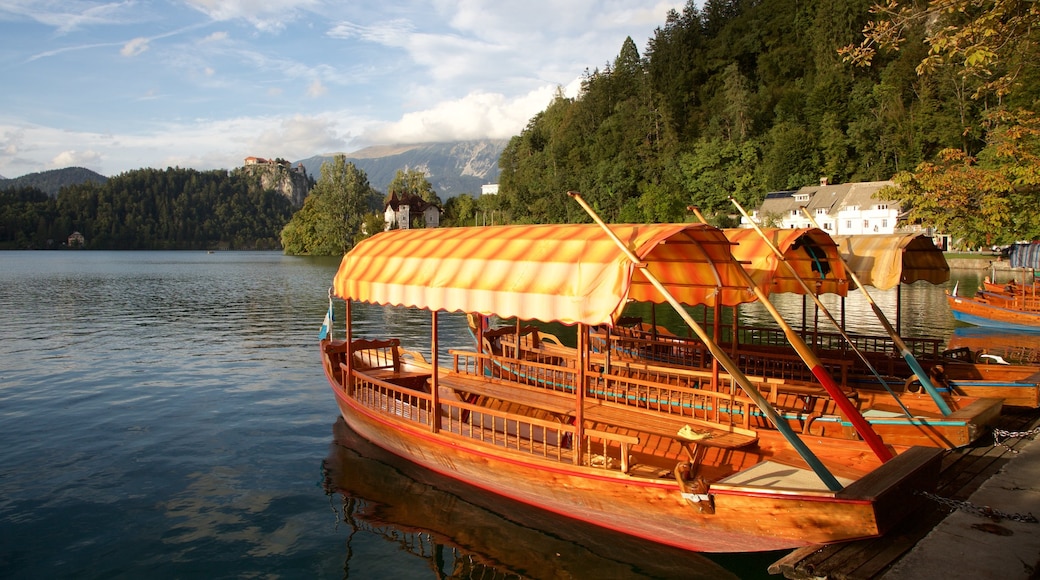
[462, 532]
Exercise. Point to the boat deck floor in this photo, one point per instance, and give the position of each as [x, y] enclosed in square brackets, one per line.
[964, 470]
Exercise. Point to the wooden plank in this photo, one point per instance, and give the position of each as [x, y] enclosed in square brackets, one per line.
[649, 421]
[666, 425]
[544, 399]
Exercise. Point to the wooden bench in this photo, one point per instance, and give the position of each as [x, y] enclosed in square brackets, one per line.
[554, 402]
[381, 360]
[665, 425]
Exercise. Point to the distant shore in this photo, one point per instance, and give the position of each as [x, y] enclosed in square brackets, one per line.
[961, 261]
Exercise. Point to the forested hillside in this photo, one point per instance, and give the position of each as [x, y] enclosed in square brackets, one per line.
[148, 209]
[739, 98]
[746, 97]
[51, 181]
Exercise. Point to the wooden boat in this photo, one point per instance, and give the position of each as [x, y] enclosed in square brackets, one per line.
[1010, 306]
[486, 535]
[909, 417]
[993, 346]
[988, 309]
[1010, 288]
[695, 482]
[960, 369]
[884, 262]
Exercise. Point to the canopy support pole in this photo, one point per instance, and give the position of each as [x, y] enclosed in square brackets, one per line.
[348, 380]
[579, 392]
[814, 462]
[435, 403]
[819, 304]
[863, 428]
[908, 356]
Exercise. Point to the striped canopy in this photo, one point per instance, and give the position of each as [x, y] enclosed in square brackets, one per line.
[886, 260]
[565, 273]
[810, 251]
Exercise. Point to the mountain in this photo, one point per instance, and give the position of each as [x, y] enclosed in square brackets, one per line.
[453, 168]
[51, 181]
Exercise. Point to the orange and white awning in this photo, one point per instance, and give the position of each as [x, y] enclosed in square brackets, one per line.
[567, 273]
[810, 251]
[886, 260]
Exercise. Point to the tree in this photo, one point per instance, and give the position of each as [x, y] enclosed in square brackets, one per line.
[988, 48]
[414, 182]
[990, 42]
[331, 220]
[986, 200]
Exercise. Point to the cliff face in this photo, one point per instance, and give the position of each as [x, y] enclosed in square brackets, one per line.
[291, 181]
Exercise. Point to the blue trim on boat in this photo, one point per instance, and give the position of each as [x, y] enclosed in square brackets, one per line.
[982, 321]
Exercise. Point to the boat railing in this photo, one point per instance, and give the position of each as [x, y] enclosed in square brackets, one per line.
[690, 351]
[501, 426]
[638, 345]
[822, 341]
[673, 397]
[668, 392]
[545, 370]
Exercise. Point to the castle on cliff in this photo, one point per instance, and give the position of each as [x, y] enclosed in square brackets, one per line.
[281, 176]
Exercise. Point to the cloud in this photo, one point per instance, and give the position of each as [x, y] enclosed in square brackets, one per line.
[135, 47]
[410, 71]
[316, 89]
[219, 36]
[70, 15]
[73, 158]
[478, 115]
[387, 32]
[266, 15]
[200, 144]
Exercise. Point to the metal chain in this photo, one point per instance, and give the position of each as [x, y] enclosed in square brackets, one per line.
[983, 511]
[999, 435]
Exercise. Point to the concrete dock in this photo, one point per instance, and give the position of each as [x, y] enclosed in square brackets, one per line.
[968, 544]
[982, 522]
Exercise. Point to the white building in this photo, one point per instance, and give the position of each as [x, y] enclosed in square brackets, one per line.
[489, 189]
[845, 209]
[399, 212]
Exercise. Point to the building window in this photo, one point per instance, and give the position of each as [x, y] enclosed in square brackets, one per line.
[866, 224]
[801, 197]
[794, 213]
[884, 223]
[848, 225]
[882, 206]
[821, 211]
[827, 226]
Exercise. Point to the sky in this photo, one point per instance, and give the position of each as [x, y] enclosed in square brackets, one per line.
[120, 85]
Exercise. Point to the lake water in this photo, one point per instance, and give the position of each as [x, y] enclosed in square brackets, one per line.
[164, 415]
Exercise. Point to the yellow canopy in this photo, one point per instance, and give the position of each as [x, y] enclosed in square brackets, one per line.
[810, 251]
[885, 260]
[565, 273]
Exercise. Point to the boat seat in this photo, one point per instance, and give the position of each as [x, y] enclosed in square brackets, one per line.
[376, 354]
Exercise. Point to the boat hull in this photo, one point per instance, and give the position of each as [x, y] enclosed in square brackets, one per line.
[399, 498]
[747, 518]
[980, 313]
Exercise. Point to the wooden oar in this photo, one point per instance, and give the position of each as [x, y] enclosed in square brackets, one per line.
[814, 462]
[819, 304]
[859, 423]
[908, 356]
